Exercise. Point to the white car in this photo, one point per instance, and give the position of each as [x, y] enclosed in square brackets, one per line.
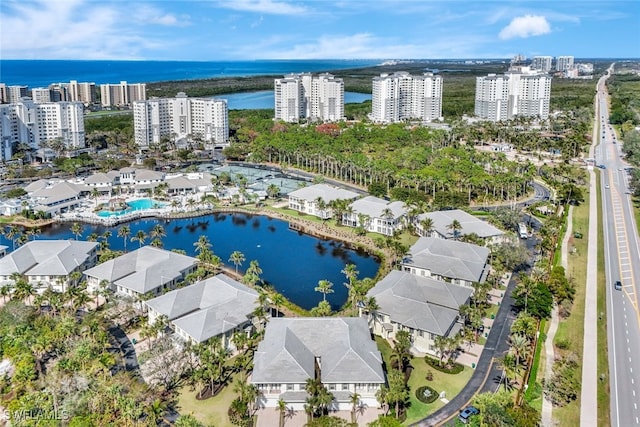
[606, 186]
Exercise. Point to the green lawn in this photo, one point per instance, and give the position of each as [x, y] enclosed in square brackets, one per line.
[603, 353]
[450, 384]
[210, 412]
[572, 328]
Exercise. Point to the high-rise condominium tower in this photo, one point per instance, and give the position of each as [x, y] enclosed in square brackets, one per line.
[39, 124]
[304, 96]
[522, 92]
[542, 63]
[114, 95]
[564, 63]
[401, 96]
[180, 118]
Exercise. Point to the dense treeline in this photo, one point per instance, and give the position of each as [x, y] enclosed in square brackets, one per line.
[625, 98]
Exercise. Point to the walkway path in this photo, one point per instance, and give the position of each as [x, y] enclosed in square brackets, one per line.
[549, 354]
[589, 393]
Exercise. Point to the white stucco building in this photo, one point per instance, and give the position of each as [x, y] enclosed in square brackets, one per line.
[305, 96]
[521, 92]
[35, 124]
[337, 350]
[122, 94]
[401, 96]
[180, 118]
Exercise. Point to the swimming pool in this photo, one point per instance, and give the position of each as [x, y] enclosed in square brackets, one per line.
[133, 205]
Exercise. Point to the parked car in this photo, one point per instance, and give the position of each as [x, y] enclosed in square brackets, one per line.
[467, 413]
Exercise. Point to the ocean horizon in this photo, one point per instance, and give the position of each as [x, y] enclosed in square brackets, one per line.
[42, 73]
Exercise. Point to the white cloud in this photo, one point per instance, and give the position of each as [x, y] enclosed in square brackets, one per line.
[150, 15]
[264, 6]
[525, 26]
[73, 29]
[360, 46]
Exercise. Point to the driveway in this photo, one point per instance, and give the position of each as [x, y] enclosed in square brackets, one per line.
[487, 376]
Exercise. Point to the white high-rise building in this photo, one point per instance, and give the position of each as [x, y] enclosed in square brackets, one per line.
[37, 124]
[41, 95]
[116, 95]
[401, 96]
[84, 92]
[492, 97]
[542, 63]
[181, 117]
[516, 93]
[564, 63]
[304, 96]
[16, 93]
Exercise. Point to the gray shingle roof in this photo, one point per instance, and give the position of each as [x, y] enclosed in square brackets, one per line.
[47, 257]
[99, 178]
[60, 191]
[347, 352]
[326, 192]
[143, 269]
[420, 302]
[374, 206]
[449, 258]
[470, 224]
[207, 308]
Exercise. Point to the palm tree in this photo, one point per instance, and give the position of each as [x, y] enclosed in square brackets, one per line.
[76, 229]
[324, 287]
[371, 306]
[427, 226]
[455, 228]
[157, 232]
[355, 401]
[277, 300]
[237, 258]
[140, 236]
[519, 347]
[282, 408]
[124, 232]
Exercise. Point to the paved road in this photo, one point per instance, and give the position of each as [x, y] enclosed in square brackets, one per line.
[487, 376]
[622, 262]
[126, 349]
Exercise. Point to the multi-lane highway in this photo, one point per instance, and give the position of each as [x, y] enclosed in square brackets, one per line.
[622, 262]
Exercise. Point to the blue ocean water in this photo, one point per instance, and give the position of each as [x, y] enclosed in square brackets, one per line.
[38, 73]
[263, 99]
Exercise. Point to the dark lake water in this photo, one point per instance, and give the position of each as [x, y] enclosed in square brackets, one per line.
[291, 262]
[263, 99]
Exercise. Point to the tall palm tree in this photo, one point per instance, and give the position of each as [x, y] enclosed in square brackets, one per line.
[157, 232]
[282, 408]
[324, 287]
[124, 232]
[76, 229]
[140, 236]
[519, 347]
[354, 399]
[455, 228]
[237, 258]
[427, 226]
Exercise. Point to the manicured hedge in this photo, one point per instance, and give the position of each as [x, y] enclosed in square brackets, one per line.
[426, 394]
[435, 364]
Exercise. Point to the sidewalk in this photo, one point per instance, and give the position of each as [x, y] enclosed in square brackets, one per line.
[549, 350]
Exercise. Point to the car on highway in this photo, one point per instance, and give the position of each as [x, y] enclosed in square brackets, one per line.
[606, 186]
[467, 413]
[602, 166]
[618, 285]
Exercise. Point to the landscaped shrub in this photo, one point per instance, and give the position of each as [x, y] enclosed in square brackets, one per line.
[455, 367]
[426, 394]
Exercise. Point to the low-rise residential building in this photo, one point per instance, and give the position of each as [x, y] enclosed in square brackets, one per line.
[337, 351]
[147, 271]
[423, 306]
[10, 207]
[45, 263]
[315, 199]
[56, 197]
[376, 215]
[441, 222]
[215, 307]
[449, 260]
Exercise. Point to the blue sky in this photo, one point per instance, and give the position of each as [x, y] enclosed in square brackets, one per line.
[322, 29]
